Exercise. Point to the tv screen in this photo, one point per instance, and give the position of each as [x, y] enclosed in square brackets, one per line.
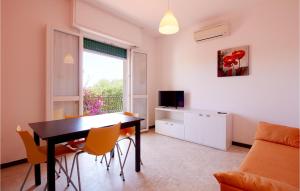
[171, 98]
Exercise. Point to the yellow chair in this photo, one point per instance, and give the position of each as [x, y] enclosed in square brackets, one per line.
[98, 142]
[126, 134]
[38, 154]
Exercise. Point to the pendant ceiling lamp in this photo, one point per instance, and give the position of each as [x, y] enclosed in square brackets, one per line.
[168, 24]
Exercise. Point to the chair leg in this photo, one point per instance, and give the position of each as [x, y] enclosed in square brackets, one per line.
[101, 159]
[27, 174]
[65, 172]
[57, 174]
[66, 166]
[96, 158]
[72, 168]
[107, 165]
[126, 154]
[119, 148]
[59, 169]
[78, 173]
[120, 164]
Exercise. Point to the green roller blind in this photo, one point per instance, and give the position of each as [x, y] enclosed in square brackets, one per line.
[104, 48]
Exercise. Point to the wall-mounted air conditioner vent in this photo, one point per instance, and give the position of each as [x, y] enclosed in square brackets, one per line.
[211, 32]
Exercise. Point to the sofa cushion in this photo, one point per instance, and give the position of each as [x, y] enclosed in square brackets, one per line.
[278, 134]
[251, 182]
[276, 161]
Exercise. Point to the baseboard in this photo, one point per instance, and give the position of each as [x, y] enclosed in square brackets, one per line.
[241, 144]
[13, 163]
[151, 126]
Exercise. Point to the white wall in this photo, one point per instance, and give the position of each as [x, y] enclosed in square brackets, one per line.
[269, 93]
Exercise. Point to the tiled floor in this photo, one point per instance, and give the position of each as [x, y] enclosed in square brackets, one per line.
[169, 164]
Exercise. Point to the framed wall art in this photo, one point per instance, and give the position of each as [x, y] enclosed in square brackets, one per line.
[233, 61]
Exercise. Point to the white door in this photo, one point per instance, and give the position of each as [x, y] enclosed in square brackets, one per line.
[63, 74]
[139, 95]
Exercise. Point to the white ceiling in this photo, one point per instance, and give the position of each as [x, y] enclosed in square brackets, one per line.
[147, 13]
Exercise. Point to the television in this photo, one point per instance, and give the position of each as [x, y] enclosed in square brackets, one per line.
[171, 99]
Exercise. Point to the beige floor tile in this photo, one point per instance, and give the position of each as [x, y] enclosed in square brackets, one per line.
[169, 165]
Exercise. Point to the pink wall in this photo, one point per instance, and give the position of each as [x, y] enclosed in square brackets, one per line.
[90, 17]
[0, 75]
[23, 65]
[269, 93]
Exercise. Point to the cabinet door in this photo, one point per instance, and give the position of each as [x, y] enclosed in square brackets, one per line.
[215, 131]
[176, 130]
[193, 127]
[161, 127]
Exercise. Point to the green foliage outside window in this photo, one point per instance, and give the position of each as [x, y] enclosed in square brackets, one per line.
[104, 97]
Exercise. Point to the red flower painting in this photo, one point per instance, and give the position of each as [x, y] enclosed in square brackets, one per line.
[233, 62]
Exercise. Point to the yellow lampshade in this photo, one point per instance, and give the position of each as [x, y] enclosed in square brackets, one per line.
[168, 24]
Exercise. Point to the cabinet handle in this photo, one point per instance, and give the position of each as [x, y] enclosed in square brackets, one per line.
[207, 115]
[200, 115]
[171, 124]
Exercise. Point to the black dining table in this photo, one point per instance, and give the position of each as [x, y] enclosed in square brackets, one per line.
[59, 131]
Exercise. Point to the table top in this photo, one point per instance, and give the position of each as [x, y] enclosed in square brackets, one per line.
[56, 128]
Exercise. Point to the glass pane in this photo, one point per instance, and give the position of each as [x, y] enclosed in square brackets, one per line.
[139, 76]
[102, 83]
[63, 108]
[140, 107]
[65, 65]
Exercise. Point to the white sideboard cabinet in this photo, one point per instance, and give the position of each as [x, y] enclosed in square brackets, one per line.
[210, 128]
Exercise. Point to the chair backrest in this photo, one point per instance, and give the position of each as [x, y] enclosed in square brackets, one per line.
[102, 140]
[129, 130]
[34, 156]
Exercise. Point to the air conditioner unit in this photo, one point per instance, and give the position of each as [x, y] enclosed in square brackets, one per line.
[211, 32]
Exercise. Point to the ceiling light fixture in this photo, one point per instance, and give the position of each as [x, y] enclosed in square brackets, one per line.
[168, 24]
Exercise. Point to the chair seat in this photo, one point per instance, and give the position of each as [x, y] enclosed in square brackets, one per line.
[59, 150]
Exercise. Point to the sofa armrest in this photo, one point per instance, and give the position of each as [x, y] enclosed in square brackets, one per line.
[278, 134]
[251, 182]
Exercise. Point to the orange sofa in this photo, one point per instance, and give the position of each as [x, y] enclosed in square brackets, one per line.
[271, 164]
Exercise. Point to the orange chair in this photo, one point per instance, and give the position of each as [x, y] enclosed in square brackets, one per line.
[98, 142]
[126, 134]
[38, 154]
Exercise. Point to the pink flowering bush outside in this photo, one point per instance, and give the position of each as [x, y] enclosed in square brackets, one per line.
[91, 103]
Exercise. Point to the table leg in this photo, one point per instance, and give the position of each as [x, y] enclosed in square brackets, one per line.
[138, 147]
[37, 167]
[51, 165]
